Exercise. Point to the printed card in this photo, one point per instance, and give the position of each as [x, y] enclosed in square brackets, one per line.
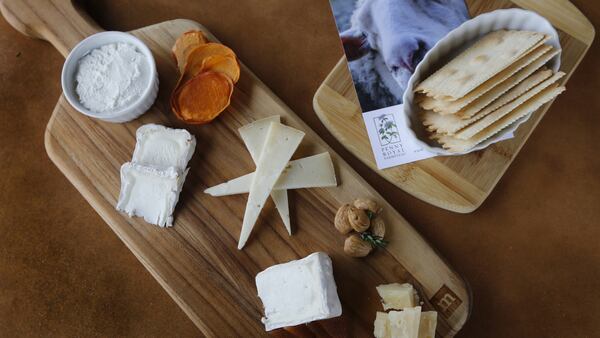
[392, 142]
[382, 55]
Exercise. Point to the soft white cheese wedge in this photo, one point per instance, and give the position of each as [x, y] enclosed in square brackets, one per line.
[298, 292]
[150, 192]
[309, 172]
[163, 147]
[254, 135]
[398, 296]
[279, 146]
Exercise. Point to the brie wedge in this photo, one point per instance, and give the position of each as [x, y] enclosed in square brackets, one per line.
[298, 292]
[150, 192]
[279, 146]
[310, 172]
[163, 147]
[254, 135]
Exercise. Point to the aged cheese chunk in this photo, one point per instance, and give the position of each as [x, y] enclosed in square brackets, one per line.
[254, 135]
[405, 324]
[427, 324]
[397, 296]
[298, 292]
[163, 147]
[150, 192]
[382, 326]
[279, 146]
[309, 172]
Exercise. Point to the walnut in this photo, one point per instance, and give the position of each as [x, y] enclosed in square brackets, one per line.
[359, 220]
[367, 204]
[341, 222]
[377, 227]
[354, 246]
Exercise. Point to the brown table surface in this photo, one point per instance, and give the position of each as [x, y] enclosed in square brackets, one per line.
[531, 253]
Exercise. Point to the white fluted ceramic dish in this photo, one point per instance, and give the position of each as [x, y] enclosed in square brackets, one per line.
[457, 41]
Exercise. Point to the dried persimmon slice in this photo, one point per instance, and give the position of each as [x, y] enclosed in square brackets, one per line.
[193, 66]
[203, 98]
[225, 64]
[184, 45]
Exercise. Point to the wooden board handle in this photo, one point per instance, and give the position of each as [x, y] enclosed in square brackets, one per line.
[57, 21]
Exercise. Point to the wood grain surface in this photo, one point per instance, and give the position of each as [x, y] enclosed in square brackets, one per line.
[196, 261]
[455, 183]
[64, 273]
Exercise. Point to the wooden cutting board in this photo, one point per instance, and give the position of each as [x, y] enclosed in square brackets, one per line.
[456, 183]
[196, 260]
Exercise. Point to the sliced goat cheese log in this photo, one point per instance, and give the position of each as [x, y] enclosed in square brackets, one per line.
[309, 172]
[298, 292]
[163, 147]
[151, 183]
[150, 192]
[254, 135]
[279, 146]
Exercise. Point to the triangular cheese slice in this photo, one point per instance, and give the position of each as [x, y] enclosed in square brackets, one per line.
[280, 144]
[254, 135]
[315, 171]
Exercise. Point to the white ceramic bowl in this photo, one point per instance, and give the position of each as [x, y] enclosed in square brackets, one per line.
[457, 41]
[124, 114]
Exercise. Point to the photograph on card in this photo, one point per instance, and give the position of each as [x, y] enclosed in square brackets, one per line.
[384, 41]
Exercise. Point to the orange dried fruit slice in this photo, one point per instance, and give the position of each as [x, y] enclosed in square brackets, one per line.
[225, 64]
[203, 98]
[184, 45]
[193, 66]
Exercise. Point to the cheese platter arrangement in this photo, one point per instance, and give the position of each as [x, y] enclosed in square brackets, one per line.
[245, 216]
[469, 122]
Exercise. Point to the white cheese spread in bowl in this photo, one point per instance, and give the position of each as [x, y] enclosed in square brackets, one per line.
[110, 76]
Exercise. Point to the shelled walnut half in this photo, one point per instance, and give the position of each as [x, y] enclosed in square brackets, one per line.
[362, 220]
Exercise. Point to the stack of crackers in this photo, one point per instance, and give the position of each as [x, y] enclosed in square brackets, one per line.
[494, 83]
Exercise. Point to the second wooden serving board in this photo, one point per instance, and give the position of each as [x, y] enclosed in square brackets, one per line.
[197, 261]
[456, 183]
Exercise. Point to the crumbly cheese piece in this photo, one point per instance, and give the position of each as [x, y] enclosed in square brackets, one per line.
[298, 292]
[427, 324]
[254, 135]
[382, 326]
[279, 146]
[309, 172]
[150, 192]
[163, 147]
[405, 324]
[397, 296]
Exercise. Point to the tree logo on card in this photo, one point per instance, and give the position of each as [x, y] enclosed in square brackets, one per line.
[387, 129]
[389, 137]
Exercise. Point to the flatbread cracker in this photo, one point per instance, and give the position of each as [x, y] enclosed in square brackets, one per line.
[498, 84]
[486, 58]
[488, 120]
[489, 97]
[450, 124]
[456, 145]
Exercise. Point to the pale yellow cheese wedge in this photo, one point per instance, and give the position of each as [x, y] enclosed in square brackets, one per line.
[397, 296]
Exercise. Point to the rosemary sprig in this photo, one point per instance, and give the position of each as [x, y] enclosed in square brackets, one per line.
[374, 240]
[370, 214]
